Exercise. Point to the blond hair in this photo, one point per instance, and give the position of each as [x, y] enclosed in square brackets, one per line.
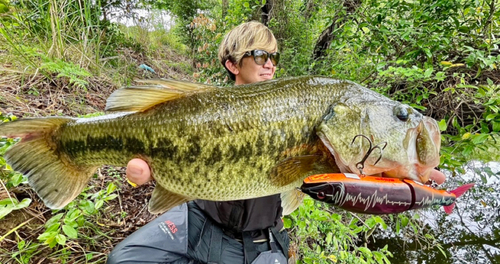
[245, 37]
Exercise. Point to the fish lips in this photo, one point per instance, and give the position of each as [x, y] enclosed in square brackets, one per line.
[423, 144]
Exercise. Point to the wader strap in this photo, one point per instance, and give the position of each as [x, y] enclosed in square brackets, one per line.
[215, 245]
[251, 252]
[274, 249]
[280, 240]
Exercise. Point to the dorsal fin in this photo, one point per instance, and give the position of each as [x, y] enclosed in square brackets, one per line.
[155, 91]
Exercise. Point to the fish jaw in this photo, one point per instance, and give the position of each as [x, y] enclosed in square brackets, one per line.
[422, 146]
[428, 142]
[411, 152]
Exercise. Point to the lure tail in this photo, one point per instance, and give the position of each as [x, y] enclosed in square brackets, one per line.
[50, 172]
[457, 192]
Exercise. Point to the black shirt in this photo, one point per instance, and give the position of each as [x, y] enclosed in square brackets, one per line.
[256, 215]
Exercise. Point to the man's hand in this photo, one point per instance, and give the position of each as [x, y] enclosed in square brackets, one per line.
[437, 176]
[138, 172]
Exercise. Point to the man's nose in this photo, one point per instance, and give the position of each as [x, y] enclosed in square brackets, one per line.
[268, 64]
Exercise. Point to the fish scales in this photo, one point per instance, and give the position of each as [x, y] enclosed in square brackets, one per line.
[226, 136]
[204, 142]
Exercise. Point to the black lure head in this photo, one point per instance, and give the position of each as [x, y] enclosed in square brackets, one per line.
[324, 192]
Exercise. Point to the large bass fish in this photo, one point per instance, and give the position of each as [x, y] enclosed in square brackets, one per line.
[213, 143]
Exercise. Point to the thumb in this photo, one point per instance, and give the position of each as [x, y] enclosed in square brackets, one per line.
[138, 172]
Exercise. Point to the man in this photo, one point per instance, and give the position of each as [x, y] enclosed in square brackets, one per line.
[244, 231]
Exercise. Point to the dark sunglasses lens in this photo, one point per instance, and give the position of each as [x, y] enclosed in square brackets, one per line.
[260, 57]
[275, 58]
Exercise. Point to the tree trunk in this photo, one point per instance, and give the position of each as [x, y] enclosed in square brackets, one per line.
[326, 37]
[225, 4]
[308, 9]
[266, 12]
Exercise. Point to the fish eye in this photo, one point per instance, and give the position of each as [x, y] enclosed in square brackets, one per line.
[401, 112]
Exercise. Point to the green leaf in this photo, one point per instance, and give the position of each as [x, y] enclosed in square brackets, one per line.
[72, 215]
[88, 206]
[329, 237]
[441, 250]
[380, 221]
[428, 72]
[53, 228]
[378, 256]
[366, 251]
[110, 197]
[61, 239]
[336, 217]
[467, 150]
[5, 210]
[442, 125]
[370, 222]
[54, 219]
[496, 126]
[20, 244]
[357, 230]
[70, 231]
[24, 203]
[111, 188]
[490, 117]
[99, 204]
[287, 222]
[479, 139]
[47, 235]
[7, 205]
[404, 221]
[302, 225]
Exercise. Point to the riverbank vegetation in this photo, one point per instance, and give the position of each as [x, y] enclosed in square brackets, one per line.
[65, 57]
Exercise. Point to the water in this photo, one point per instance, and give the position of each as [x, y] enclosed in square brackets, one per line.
[471, 234]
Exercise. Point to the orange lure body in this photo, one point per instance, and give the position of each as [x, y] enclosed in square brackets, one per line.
[377, 195]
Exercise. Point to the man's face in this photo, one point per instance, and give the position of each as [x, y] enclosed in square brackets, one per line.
[251, 72]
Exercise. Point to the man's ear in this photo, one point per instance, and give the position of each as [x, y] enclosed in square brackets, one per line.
[230, 66]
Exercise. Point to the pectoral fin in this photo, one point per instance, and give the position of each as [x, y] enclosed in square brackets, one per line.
[296, 169]
[291, 200]
[163, 200]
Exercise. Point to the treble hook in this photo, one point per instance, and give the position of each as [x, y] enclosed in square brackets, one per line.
[361, 165]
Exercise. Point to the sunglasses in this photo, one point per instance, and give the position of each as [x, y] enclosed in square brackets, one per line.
[260, 56]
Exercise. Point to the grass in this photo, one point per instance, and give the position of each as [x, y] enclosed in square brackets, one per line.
[57, 75]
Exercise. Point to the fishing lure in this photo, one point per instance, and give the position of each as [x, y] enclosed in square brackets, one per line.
[378, 195]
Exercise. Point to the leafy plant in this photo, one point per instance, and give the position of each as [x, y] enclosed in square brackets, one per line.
[65, 225]
[8, 176]
[323, 236]
[10, 204]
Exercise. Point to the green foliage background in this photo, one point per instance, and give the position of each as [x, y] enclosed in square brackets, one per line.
[439, 56]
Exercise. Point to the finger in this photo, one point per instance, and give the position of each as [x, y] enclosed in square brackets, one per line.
[138, 172]
[437, 176]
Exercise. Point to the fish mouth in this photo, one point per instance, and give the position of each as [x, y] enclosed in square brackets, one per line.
[418, 157]
[422, 145]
